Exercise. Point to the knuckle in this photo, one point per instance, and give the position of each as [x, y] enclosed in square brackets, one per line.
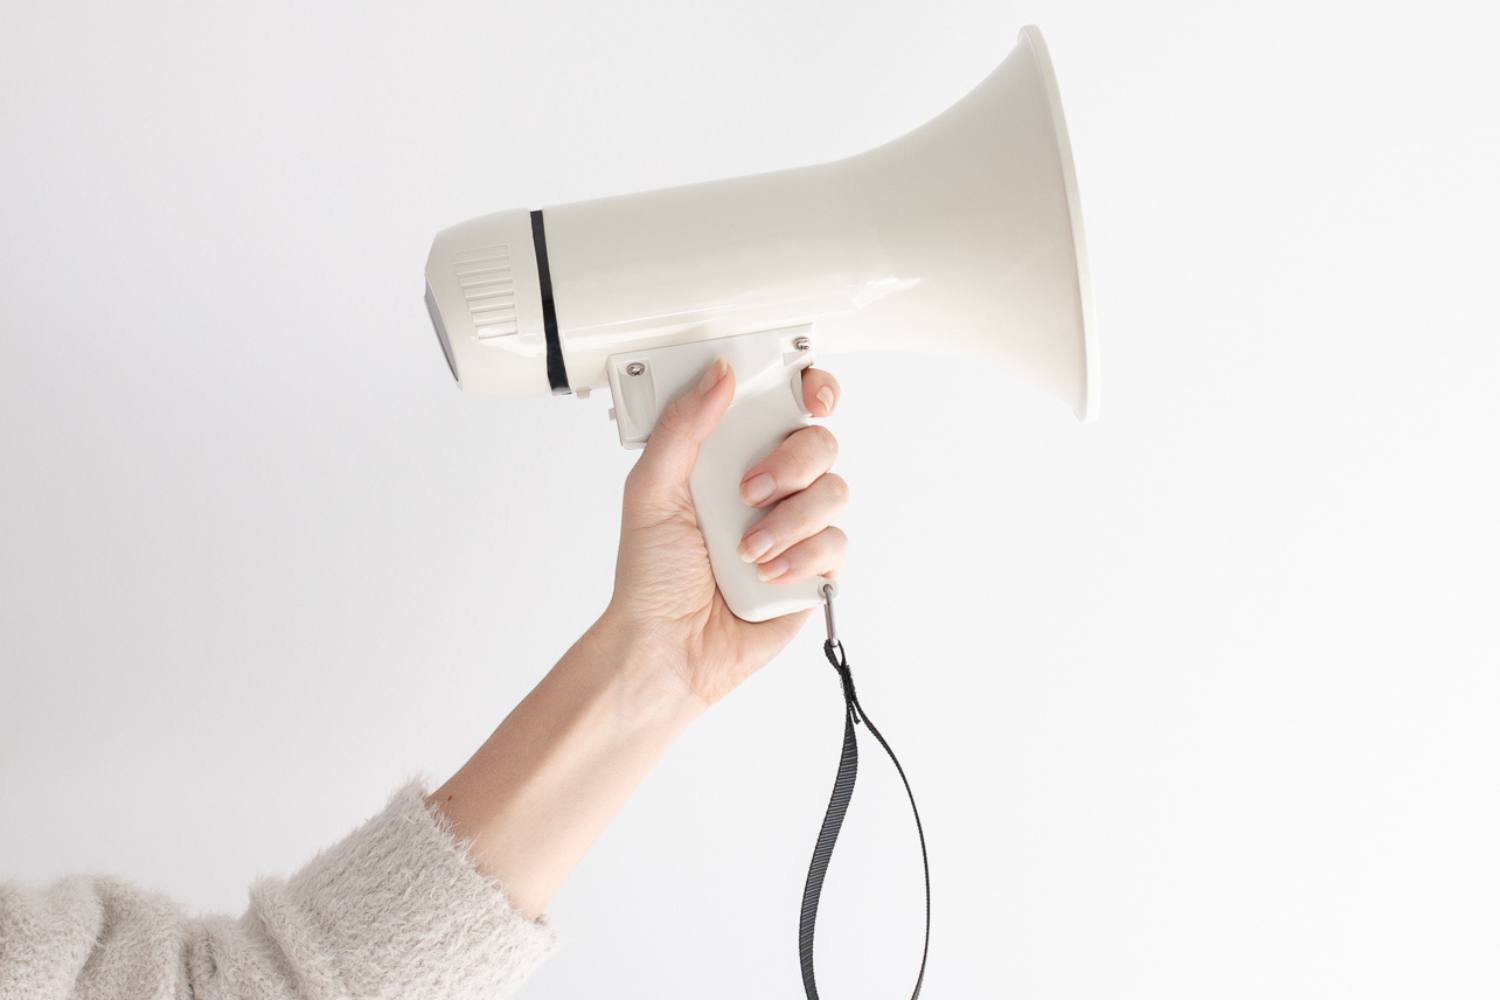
[824, 552]
[637, 485]
[819, 377]
[808, 454]
[822, 440]
[671, 421]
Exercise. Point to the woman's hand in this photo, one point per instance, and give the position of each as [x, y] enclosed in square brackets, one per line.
[546, 783]
[665, 594]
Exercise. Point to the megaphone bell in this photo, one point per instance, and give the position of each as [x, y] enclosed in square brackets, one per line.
[962, 237]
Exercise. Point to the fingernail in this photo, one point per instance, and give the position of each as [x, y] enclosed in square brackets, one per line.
[713, 376]
[755, 545]
[757, 488]
[774, 568]
[825, 396]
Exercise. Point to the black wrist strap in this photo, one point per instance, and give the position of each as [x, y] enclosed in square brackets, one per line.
[833, 819]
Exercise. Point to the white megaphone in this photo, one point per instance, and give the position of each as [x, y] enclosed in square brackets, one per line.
[961, 237]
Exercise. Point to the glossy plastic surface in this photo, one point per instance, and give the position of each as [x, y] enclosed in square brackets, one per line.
[963, 237]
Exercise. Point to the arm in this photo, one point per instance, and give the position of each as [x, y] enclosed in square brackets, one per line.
[544, 786]
[395, 909]
[436, 897]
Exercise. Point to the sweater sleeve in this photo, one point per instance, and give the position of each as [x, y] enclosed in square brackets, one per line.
[394, 910]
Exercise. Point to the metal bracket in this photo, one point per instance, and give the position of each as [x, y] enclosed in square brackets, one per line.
[829, 591]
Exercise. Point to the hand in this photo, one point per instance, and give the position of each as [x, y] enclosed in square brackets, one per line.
[544, 785]
[665, 592]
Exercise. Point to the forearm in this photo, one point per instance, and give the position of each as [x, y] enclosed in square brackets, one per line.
[543, 787]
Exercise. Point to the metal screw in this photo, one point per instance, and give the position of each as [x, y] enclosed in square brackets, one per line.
[635, 368]
[802, 344]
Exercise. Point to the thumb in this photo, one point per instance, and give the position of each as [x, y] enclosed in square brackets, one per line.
[672, 449]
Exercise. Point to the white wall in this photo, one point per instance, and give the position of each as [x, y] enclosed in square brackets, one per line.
[1199, 700]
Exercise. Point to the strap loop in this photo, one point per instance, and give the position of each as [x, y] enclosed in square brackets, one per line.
[833, 820]
[834, 650]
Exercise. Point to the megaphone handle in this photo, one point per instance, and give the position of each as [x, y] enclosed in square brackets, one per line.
[767, 407]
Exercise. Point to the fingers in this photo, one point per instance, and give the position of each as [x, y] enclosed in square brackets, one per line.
[672, 448]
[803, 456]
[801, 497]
[820, 555]
[794, 540]
[795, 519]
[820, 392]
[795, 465]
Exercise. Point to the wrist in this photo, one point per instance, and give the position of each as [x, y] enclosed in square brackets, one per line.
[648, 671]
[547, 781]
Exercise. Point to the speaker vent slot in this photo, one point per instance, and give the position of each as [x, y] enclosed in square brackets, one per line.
[489, 289]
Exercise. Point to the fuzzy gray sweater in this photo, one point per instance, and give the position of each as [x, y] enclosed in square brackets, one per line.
[395, 910]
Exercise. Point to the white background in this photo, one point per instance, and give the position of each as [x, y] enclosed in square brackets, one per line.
[1199, 700]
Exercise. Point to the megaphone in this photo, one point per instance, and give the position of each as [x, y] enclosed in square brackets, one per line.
[963, 237]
